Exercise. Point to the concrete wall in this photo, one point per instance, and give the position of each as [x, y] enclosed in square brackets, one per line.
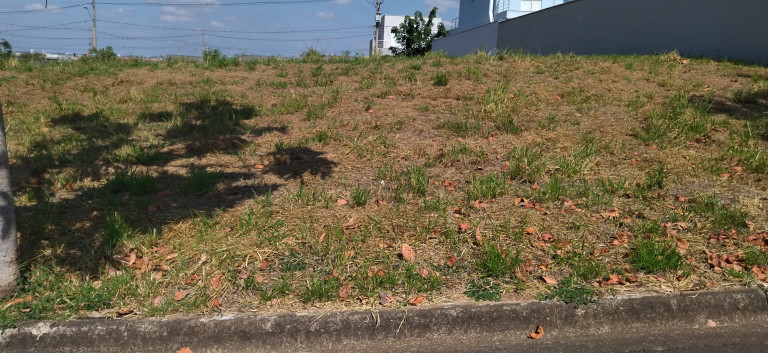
[735, 29]
[721, 29]
[468, 42]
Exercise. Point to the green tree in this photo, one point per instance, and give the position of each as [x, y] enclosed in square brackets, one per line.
[415, 34]
[5, 48]
[106, 54]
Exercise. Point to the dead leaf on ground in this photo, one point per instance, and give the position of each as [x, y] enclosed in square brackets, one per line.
[549, 280]
[180, 295]
[451, 260]
[216, 281]
[537, 334]
[159, 301]
[407, 253]
[216, 303]
[27, 299]
[463, 227]
[416, 301]
[384, 298]
[345, 292]
[184, 350]
[711, 323]
[341, 202]
[350, 224]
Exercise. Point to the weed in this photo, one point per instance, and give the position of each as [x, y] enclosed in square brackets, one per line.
[360, 196]
[569, 291]
[498, 262]
[487, 187]
[680, 119]
[755, 256]
[527, 164]
[416, 180]
[463, 128]
[651, 255]
[550, 191]
[440, 79]
[722, 216]
[200, 181]
[132, 183]
[655, 178]
[483, 290]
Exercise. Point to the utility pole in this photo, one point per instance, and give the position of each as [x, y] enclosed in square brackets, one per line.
[376, 32]
[203, 32]
[92, 13]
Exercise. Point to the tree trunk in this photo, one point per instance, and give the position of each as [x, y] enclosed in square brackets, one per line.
[9, 264]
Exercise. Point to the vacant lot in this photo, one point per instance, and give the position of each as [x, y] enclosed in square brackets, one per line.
[154, 189]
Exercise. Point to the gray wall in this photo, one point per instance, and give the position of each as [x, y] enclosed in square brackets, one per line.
[721, 29]
[468, 42]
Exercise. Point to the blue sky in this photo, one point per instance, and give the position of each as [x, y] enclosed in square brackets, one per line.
[161, 27]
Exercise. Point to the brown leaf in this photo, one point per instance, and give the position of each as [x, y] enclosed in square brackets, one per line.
[69, 186]
[216, 303]
[449, 185]
[416, 301]
[451, 260]
[264, 264]
[259, 166]
[381, 202]
[192, 279]
[216, 281]
[612, 213]
[613, 280]
[407, 253]
[27, 299]
[537, 334]
[341, 202]
[172, 256]
[164, 193]
[682, 244]
[530, 230]
[162, 268]
[480, 204]
[384, 298]
[711, 323]
[345, 292]
[180, 295]
[184, 350]
[350, 224]
[424, 272]
[549, 280]
[124, 311]
[463, 227]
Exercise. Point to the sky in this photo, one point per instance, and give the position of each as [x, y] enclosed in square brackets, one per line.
[161, 27]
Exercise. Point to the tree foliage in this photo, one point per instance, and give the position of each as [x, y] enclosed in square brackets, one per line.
[5, 48]
[106, 54]
[415, 34]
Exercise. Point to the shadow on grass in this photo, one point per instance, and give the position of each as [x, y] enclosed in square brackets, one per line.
[79, 230]
[293, 163]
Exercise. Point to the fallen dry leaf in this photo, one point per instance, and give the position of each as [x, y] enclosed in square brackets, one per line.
[341, 202]
[259, 166]
[711, 323]
[216, 281]
[164, 193]
[463, 227]
[345, 292]
[184, 350]
[537, 334]
[159, 301]
[416, 301]
[384, 298]
[350, 224]
[216, 303]
[530, 230]
[27, 299]
[451, 260]
[407, 253]
[549, 280]
[180, 295]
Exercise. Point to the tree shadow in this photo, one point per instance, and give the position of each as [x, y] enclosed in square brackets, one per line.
[79, 230]
[292, 163]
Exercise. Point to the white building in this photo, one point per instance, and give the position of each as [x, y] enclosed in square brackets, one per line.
[386, 39]
[476, 13]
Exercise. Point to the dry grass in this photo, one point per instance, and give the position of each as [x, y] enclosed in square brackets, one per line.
[135, 182]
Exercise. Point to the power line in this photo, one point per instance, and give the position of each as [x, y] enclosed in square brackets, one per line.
[216, 4]
[52, 9]
[286, 40]
[32, 28]
[243, 32]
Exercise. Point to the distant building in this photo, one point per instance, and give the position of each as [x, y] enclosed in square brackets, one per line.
[476, 13]
[386, 39]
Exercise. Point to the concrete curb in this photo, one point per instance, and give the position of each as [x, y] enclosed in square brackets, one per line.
[332, 331]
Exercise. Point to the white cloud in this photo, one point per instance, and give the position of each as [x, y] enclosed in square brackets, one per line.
[442, 4]
[325, 15]
[342, 2]
[216, 24]
[175, 14]
[39, 6]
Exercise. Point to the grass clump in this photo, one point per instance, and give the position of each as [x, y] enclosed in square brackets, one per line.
[680, 119]
[652, 255]
[755, 256]
[440, 79]
[568, 290]
[498, 262]
[721, 216]
[360, 196]
[131, 182]
[200, 181]
[487, 187]
[483, 290]
[527, 164]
